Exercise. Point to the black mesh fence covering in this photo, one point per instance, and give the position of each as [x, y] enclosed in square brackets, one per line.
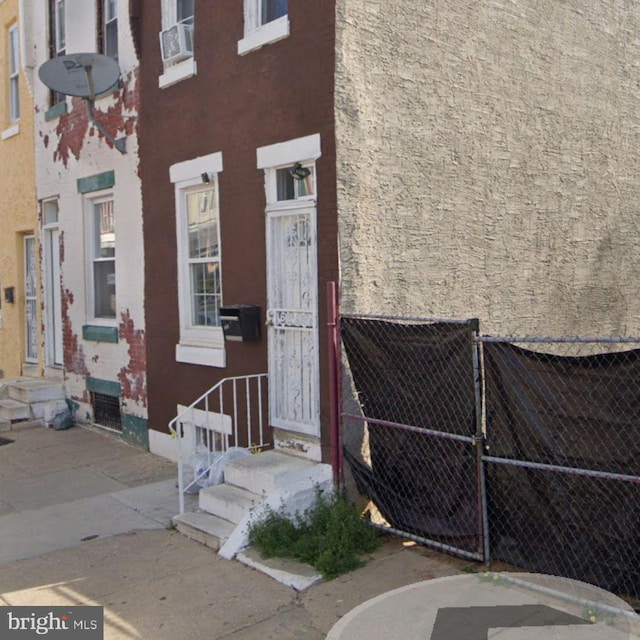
[560, 458]
[580, 414]
[420, 376]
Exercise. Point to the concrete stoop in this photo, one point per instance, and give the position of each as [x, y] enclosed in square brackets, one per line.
[253, 485]
[24, 401]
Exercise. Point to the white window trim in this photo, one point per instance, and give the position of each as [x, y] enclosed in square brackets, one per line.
[10, 132]
[14, 77]
[96, 197]
[197, 345]
[178, 72]
[257, 35]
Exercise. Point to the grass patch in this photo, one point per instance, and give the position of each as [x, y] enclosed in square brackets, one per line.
[331, 536]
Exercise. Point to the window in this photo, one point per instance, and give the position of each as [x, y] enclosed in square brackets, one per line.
[184, 11]
[271, 10]
[176, 41]
[102, 254]
[199, 260]
[108, 28]
[57, 38]
[14, 70]
[265, 21]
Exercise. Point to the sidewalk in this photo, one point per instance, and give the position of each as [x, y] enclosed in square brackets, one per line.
[84, 520]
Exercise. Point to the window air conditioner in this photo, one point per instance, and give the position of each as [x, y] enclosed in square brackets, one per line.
[176, 43]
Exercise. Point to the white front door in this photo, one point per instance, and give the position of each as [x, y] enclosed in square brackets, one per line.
[292, 317]
[31, 300]
[53, 301]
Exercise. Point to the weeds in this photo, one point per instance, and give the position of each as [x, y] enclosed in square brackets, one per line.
[330, 536]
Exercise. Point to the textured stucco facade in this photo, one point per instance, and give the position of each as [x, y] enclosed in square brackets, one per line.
[75, 166]
[18, 215]
[487, 162]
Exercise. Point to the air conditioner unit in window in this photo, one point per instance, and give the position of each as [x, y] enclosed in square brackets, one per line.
[176, 43]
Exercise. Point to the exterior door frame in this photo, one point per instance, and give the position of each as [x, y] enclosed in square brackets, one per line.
[53, 296]
[30, 317]
[285, 325]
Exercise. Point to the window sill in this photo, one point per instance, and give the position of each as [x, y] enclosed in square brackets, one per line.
[177, 73]
[10, 132]
[266, 34]
[56, 111]
[205, 356]
[99, 333]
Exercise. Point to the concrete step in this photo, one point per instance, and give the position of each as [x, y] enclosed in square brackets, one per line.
[5, 425]
[13, 410]
[47, 411]
[264, 472]
[294, 574]
[36, 390]
[227, 502]
[204, 528]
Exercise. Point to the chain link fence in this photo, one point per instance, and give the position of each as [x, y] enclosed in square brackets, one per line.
[521, 450]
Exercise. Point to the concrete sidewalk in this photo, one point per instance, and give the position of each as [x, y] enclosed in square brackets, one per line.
[85, 521]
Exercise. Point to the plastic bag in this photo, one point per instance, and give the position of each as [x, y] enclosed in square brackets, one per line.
[208, 468]
[62, 420]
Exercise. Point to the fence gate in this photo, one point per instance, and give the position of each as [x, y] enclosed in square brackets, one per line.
[410, 424]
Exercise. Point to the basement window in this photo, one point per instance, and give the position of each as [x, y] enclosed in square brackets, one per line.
[106, 411]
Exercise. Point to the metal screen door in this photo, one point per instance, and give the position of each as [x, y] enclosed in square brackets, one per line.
[31, 300]
[292, 319]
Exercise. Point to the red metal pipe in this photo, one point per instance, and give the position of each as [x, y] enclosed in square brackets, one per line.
[334, 421]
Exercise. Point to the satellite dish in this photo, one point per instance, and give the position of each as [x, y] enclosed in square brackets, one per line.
[84, 75]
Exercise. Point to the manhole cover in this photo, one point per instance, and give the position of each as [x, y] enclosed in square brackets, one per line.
[5, 441]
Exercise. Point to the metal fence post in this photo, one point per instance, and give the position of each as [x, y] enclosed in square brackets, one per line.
[334, 387]
[483, 525]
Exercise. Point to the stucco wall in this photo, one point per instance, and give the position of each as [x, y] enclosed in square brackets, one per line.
[17, 205]
[68, 148]
[488, 162]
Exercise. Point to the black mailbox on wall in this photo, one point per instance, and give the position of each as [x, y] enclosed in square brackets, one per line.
[241, 322]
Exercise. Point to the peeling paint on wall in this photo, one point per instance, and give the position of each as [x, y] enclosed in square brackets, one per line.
[133, 377]
[74, 357]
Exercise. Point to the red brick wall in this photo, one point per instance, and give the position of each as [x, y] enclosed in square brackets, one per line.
[235, 104]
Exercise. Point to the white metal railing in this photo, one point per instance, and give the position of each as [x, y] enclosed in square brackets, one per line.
[230, 413]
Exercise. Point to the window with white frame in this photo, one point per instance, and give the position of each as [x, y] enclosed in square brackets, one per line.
[57, 38]
[101, 250]
[265, 21]
[199, 259]
[176, 41]
[14, 70]
[108, 28]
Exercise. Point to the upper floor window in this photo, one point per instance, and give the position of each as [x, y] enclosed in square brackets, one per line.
[57, 37]
[271, 10]
[176, 41]
[108, 28]
[265, 21]
[14, 74]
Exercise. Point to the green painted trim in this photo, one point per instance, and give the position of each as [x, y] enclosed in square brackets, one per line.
[135, 429]
[56, 111]
[95, 333]
[97, 182]
[106, 387]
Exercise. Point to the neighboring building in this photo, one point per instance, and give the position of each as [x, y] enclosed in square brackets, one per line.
[20, 293]
[487, 162]
[91, 216]
[240, 94]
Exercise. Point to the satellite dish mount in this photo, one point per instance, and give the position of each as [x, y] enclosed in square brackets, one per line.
[84, 75]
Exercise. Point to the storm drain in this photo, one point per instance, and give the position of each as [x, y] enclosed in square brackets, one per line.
[5, 441]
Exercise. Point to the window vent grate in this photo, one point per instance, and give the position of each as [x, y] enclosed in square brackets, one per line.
[106, 411]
